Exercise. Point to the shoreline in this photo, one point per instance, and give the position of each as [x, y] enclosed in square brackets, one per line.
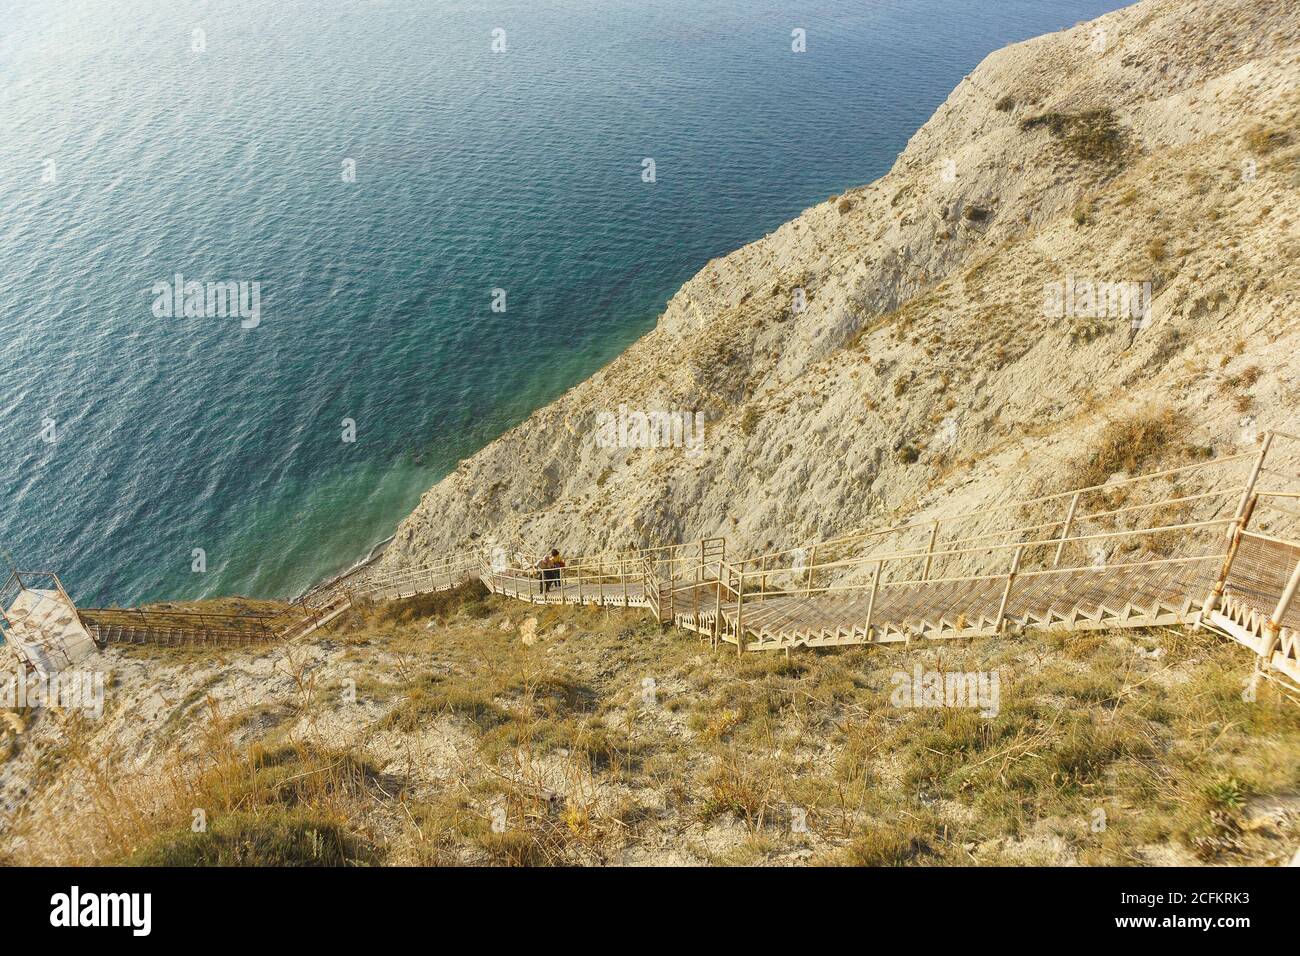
[356, 567]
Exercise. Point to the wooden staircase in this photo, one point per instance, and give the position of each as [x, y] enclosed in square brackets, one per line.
[1171, 547]
[1140, 552]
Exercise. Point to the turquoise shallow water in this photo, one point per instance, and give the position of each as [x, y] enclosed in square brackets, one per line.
[475, 170]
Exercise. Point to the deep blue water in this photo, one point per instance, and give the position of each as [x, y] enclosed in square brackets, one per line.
[475, 170]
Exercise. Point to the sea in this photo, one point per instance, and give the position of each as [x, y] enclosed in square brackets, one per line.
[270, 268]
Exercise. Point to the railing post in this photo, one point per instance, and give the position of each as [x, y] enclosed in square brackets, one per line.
[812, 560]
[1236, 530]
[1006, 592]
[717, 609]
[740, 616]
[929, 550]
[645, 585]
[871, 601]
[695, 597]
[1273, 630]
[1254, 476]
[1065, 529]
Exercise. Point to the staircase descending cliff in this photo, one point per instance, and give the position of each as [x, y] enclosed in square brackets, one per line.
[1172, 547]
[1178, 546]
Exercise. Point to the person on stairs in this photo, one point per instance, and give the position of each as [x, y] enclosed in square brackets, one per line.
[551, 566]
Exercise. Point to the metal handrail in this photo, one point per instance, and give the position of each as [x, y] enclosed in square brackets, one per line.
[1010, 506]
[997, 546]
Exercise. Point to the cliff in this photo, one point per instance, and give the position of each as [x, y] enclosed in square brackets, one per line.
[1097, 223]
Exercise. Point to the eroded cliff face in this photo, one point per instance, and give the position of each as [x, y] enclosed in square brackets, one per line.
[948, 352]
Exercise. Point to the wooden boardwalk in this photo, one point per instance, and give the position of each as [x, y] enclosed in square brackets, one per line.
[1126, 595]
[180, 628]
[603, 592]
[1138, 552]
[1253, 596]
[1187, 569]
[1077, 599]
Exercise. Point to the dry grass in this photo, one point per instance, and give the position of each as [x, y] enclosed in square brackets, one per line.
[609, 740]
[268, 805]
[1262, 140]
[1093, 136]
[1143, 440]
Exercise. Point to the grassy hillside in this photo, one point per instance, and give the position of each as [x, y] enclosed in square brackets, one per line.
[462, 728]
